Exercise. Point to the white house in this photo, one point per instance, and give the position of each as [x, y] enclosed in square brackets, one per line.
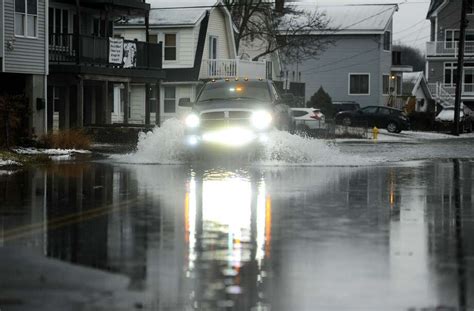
[415, 85]
[198, 45]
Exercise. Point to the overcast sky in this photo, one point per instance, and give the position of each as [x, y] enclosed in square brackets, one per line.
[410, 25]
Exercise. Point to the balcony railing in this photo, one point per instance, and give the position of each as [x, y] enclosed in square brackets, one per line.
[232, 68]
[450, 89]
[448, 48]
[92, 50]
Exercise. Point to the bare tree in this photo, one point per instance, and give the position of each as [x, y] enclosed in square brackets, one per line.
[411, 56]
[291, 32]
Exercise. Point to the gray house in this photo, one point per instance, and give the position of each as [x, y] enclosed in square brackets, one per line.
[23, 56]
[443, 48]
[357, 65]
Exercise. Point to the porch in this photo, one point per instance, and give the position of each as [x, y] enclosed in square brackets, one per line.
[233, 68]
[86, 50]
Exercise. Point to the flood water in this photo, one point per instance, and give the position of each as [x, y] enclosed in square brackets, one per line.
[391, 236]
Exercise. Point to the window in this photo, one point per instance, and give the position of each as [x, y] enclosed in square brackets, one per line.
[26, 18]
[58, 27]
[170, 99]
[384, 111]
[470, 7]
[452, 36]
[170, 46]
[299, 113]
[369, 110]
[385, 84]
[359, 84]
[387, 41]
[212, 47]
[450, 71]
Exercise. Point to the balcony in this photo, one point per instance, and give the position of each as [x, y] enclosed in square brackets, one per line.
[93, 51]
[448, 48]
[447, 91]
[232, 68]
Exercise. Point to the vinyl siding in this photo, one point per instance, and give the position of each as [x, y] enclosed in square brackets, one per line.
[185, 43]
[347, 54]
[449, 18]
[218, 27]
[2, 44]
[436, 71]
[185, 47]
[28, 54]
[385, 65]
[182, 91]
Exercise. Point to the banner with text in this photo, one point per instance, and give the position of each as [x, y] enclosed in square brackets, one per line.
[115, 50]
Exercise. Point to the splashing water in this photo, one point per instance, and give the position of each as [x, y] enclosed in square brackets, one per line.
[164, 145]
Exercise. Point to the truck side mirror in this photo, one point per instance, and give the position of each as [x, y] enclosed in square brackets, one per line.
[185, 102]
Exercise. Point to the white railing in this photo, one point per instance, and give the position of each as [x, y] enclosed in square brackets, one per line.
[443, 93]
[232, 68]
[448, 48]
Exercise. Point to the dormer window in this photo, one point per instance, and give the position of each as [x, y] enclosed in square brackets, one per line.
[170, 46]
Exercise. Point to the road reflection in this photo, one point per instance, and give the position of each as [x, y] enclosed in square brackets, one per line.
[394, 237]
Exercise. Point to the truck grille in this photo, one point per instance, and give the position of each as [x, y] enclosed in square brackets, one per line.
[221, 119]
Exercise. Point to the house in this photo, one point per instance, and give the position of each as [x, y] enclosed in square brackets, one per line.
[443, 48]
[92, 71]
[23, 56]
[199, 45]
[357, 62]
[416, 90]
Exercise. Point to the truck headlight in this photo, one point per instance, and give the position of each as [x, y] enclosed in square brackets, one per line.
[192, 121]
[261, 120]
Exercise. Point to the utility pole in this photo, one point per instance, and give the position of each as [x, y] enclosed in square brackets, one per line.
[459, 75]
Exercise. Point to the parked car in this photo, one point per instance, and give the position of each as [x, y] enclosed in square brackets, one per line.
[236, 113]
[445, 119]
[345, 106]
[394, 120]
[308, 120]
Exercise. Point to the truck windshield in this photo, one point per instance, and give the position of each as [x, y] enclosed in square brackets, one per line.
[253, 90]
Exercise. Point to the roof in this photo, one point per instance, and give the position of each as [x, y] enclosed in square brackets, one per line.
[174, 13]
[412, 81]
[434, 5]
[352, 18]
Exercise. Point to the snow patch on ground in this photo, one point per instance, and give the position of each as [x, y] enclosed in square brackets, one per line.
[407, 136]
[9, 163]
[53, 152]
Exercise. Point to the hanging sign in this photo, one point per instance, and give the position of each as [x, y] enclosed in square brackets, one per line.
[115, 50]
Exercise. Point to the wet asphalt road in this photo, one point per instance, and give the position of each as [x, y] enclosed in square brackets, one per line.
[396, 235]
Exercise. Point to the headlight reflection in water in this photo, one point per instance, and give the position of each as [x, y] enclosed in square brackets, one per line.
[228, 205]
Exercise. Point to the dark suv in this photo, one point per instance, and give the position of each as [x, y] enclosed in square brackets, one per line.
[394, 120]
[236, 113]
